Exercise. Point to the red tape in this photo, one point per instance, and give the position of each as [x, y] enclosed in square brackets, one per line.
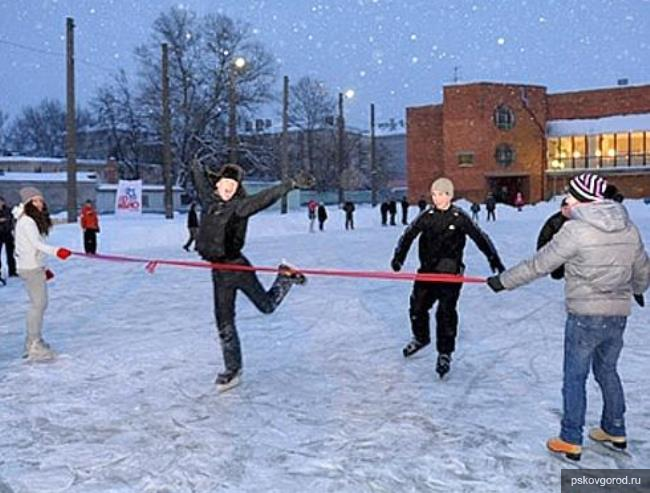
[152, 264]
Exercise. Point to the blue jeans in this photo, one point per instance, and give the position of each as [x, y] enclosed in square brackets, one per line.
[594, 341]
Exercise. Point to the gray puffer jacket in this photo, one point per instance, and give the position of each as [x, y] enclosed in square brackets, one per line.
[604, 258]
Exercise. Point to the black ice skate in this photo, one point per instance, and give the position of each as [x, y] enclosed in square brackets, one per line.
[443, 364]
[413, 347]
[228, 379]
[287, 270]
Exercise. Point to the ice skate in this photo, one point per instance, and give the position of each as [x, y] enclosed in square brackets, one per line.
[228, 380]
[413, 347]
[601, 436]
[39, 350]
[443, 364]
[559, 446]
[293, 273]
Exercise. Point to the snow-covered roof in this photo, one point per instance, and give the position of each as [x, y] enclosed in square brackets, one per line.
[46, 177]
[608, 124]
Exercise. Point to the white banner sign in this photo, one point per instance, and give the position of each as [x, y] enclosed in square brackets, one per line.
[128, 200]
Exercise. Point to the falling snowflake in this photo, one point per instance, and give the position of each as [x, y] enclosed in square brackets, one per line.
[414, 59]
[501, 41]
[414, 37]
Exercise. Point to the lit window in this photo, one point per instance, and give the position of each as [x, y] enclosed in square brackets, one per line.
[504, 118]
[504, 155]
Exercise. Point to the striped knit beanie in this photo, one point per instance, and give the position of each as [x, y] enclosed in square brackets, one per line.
[587, 187]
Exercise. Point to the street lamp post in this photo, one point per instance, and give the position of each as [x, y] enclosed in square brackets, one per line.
[237, 66]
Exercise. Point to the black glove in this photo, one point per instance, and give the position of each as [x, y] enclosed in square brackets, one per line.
[496, 265]
[304, 180]
[640, 300]
[495, 284]
[396, 265]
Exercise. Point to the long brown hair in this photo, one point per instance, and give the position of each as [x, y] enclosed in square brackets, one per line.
[41, 218]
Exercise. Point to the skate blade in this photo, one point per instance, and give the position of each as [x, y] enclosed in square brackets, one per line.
[225, 387]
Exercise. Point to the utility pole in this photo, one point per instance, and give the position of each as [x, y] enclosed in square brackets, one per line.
[285, 142]
[340, 147]
[373, 164]
[166, 135]
[71, 124]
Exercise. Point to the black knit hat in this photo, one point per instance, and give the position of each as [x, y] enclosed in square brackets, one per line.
[587, 187]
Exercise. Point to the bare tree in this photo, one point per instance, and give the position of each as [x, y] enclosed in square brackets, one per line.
[202, 52]
[116, 110]
[40, 130]
[310, 105]
[4, 118]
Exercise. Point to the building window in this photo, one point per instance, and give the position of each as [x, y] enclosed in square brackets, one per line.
[637, 151]
[465, 159]
[504, 118]
[504, 155]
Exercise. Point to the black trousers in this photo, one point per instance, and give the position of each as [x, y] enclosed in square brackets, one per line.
[225, 286]
[8, 242]
[491, 214]
[90, 241]
[349, 222]
[423, 296]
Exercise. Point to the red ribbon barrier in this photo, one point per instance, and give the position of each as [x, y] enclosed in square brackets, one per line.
[152, 264]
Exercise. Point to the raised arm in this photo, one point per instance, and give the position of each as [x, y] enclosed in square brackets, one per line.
[261, 200]
[203, 188]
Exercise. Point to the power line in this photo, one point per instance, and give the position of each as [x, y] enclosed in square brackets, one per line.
[53, 53]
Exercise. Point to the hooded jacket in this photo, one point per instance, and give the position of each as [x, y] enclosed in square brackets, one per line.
[30, 244]
[604, 259]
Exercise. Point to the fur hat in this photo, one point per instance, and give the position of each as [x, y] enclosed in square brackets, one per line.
[28, 193]
[587, 187]
[231, 171]
[443, 185]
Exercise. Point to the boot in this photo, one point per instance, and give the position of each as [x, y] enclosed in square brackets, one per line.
[228, 379]
[413, 347]
[559, 446]
[599, 435]
[2, 281]
[443, 364]
[39, 350]
[291, 272]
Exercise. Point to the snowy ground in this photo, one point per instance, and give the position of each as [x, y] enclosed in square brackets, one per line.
[327, 404]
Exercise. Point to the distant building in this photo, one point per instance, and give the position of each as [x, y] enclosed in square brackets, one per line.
[509, 138]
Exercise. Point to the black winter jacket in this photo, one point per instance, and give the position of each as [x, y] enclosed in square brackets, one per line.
[222, 232]
[442, 240]
[548, 231]
[6, 226]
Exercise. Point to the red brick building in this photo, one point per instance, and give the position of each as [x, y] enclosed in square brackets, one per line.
[506, 138]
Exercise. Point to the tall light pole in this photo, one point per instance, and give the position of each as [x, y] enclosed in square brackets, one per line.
[70, 124]
[285, 141]
[166, 131]
[238, 64]
[373, 157]
[340, 147]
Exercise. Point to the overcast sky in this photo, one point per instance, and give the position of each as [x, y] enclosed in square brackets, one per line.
[393, 53]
